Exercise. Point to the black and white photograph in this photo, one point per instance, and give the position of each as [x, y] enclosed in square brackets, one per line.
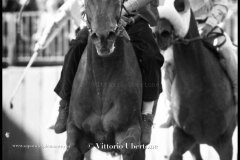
[119, 79]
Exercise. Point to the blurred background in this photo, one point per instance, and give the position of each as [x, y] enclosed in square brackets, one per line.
[25, 128]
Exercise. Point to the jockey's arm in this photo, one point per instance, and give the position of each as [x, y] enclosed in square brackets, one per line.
[74, 9]
[70, 9]
[218, 12]
[51, 30]
[133, 5]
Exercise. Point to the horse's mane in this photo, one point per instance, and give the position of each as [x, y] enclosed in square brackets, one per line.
[192, 33]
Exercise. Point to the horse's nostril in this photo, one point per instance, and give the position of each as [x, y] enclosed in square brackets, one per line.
[165, 34]
[94, 37]
[111, 35]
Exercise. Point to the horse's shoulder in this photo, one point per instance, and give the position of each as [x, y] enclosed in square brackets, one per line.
[125, 45]
[129, 48]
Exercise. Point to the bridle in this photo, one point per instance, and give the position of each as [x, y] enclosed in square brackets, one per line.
[117, 27]
[211, 35]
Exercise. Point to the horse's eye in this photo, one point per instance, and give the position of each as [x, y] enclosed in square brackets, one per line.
[179, 5]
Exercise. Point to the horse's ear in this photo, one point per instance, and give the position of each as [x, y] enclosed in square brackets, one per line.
[181, 5]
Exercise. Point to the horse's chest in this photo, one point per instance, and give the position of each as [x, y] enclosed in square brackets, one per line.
[102, 106]
[100, 87]
[104, 93]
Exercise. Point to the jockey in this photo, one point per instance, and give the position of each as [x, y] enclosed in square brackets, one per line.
[209, 14]
[143, 13]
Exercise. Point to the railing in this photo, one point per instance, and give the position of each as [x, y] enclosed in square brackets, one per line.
[18, 50]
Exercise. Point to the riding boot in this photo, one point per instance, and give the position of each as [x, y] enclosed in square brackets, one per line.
[146, 128]
[229, 62]
[147, 122]
[61, 123]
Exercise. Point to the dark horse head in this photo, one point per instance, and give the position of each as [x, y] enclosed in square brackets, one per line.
[173, 22]
[102, 19]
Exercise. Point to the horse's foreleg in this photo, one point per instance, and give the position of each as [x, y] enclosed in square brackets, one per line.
[139, 154]
[181, 143]
[73, 151]
[128, 156]
[224, 149]
[223, 145]
[195, 152]
[129, 139]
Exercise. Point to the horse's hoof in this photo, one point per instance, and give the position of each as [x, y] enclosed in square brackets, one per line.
[175, 157]
[72, 154]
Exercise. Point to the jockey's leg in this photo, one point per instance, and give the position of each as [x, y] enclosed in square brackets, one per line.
[229, 61]
[168, 76]
[64, 86]
[150, 61]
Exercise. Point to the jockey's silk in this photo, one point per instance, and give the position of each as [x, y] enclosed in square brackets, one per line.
[213, 10]
[150, 14]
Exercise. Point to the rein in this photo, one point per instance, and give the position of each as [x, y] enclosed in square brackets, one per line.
[211, 35]
[179, 40]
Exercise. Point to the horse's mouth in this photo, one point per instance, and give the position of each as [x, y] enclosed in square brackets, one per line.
[105, 51]
[164, 43]
[163, 46]
[164, 40]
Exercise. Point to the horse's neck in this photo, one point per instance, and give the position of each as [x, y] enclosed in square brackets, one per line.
[107, 65]
[189, 57]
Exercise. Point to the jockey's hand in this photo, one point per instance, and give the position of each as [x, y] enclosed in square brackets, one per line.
[127, 20]
[37, 47]
[206, 30]
[121, 29]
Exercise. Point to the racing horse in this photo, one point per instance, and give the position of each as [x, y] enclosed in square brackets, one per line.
[201, 95]
[106, 99]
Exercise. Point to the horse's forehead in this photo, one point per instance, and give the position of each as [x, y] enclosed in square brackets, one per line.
[102, 14]
[102, 4]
